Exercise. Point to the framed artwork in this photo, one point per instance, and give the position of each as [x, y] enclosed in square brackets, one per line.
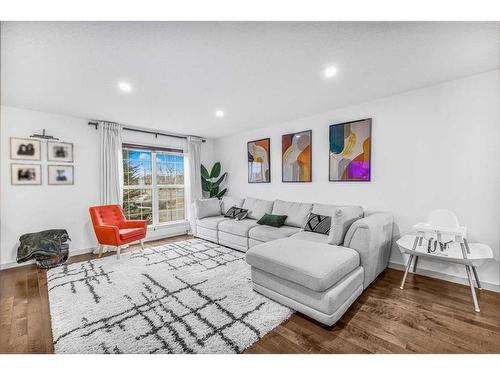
[60, 152]
[259, 161]
[350, 151]
[296, 159]
[25, 149]
[60, 175]
[26, 174]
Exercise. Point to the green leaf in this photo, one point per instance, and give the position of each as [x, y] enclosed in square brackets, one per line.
[215, 170]
[218, 182]
[209, 185]
[204, 172]
[214, 191]
[221, 193]
[204, 184]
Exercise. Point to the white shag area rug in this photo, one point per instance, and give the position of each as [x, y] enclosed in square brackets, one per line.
[190, 296]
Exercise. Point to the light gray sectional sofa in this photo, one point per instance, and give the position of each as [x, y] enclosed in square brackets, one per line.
[319, 275]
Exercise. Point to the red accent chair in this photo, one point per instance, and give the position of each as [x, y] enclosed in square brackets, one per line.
[113, 229]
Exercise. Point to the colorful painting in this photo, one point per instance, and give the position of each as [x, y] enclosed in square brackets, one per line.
[259, 164]
[296, 163]
[350, 145]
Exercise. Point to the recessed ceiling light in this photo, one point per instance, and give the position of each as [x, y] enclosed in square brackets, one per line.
[330, 71]
[219, 113]
[125, 86]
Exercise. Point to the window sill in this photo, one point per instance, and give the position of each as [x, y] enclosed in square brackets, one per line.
[170, 224]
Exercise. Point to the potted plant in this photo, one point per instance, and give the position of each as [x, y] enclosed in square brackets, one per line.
[210, 182]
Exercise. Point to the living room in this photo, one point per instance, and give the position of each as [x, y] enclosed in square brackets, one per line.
[242, 187]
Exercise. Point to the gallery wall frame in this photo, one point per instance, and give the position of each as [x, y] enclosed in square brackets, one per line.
[285, 175]
[61, 152]
[60, 174]
[264, 144]
[25, 149]
[356, 166]
[25, 174]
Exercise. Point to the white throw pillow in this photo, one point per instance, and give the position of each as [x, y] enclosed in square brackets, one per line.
[342, 219]
[207, 207]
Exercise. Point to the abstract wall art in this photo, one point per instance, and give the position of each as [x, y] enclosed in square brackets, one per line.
[296, 163]
[259, 161]
[350, 147]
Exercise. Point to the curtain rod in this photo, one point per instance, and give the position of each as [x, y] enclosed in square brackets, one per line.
[155, 133]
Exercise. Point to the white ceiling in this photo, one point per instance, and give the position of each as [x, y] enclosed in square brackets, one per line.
[259, 73]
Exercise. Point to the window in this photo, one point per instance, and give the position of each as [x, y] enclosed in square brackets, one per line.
[153, 184]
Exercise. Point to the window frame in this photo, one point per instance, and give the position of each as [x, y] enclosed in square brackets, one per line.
[155, 187]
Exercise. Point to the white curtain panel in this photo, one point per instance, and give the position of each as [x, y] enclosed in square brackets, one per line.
[194, 189]
[110, 163]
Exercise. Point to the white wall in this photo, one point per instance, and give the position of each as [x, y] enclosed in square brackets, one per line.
[26, 209]
[436, 147]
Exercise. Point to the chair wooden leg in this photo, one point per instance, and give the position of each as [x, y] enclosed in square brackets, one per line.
[142, 244]
[101, 247]
[118, 248]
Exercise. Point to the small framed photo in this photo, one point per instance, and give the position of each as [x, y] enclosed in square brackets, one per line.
[60, 175]
[26, 174]
[25, 149]
[60, 152]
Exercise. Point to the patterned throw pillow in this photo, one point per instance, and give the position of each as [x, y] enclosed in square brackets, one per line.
[236, 213]
[318, 224]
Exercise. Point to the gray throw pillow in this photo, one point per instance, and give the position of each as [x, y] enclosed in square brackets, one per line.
[207, 207]
[342, 219]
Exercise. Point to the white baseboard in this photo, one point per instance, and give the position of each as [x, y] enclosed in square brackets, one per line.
[443, 276]
[13, 264]
[160, 234]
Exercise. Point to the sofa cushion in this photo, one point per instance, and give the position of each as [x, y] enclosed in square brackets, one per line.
[257, 207]
[296, 212]
[211, 222]
[311, 264]
[266, 233]
[207, 207]
[228, 201]
[238, 227]
[324, 209]
[310, 236]
[342, 219]
[127, 233]
[233, 241]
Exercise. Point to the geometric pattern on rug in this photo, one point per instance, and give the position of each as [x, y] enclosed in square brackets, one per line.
[191, 296]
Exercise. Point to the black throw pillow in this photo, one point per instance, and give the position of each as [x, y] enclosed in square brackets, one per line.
[236, 213]
[272, 220]
[318, 224]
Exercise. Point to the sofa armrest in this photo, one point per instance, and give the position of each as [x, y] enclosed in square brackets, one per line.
[107, 234]
[371, 237]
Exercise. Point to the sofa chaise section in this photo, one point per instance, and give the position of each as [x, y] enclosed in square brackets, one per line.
[316, 279]
[321, 280]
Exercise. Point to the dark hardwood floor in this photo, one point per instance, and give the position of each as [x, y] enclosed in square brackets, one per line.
[429, 316]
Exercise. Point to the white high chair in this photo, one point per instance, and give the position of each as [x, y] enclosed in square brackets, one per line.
[443, 226]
